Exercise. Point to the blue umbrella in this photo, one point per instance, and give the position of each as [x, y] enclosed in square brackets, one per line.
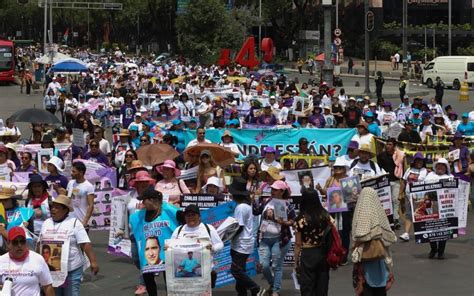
[69, 65]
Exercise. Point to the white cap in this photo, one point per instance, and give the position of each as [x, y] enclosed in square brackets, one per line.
[138, 114]
[57, 162]
[445, 162]
[341, 162]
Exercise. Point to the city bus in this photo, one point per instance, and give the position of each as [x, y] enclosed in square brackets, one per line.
[7, 61]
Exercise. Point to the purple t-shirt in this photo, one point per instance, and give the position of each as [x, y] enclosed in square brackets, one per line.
[100, 158]
[59, 179]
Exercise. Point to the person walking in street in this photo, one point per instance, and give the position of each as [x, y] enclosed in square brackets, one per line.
[309, 254]
[397, 60]
[371, 230]
[28, 81]
[242, 244]
[379, 82]
[25, 270]
[350, 65]
[402, 87]
[300, 64]
[439, 89]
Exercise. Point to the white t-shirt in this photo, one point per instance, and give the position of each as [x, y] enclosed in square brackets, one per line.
[365, 170]
[364, 139]
[244, 242]
[200, 231]
[104, 146]
[28, 276]
[195, 142]
[78, 193]
[265, 166]
[77, 235]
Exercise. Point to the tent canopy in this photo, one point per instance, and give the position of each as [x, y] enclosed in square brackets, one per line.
[69, 65]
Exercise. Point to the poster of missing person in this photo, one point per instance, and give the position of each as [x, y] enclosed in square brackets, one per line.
[351, 189]
[119, 235]
[335, 200]
[434, 210]
[54, 247]
[188, 267]
[381, 184]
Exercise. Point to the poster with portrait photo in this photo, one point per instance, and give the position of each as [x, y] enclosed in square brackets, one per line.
[188, 267]
[269, 224]
[151, 253]
[44, 155]
[54, 247]
[335, 200]
[119, 235]
[306, 179]
[351, 188]
[434, 207]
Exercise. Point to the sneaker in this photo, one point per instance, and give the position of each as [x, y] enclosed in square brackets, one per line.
[259, 292]
[405, 237]
[141, 290]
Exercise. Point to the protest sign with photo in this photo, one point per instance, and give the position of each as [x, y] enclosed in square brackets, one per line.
[188, 267]
[119, 235]
[44, 155]
[335, 200]
[151, 253]
[203, 201]
[100, 218]
[351, 189]
[222, 261]
[54, 247]
[434, 210]
[381, 184]
[296, 179]
[5, 172]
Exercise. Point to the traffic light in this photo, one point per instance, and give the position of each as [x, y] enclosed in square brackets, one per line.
[23, 2]
[369, 21]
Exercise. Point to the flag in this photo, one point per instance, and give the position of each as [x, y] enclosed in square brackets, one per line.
[66, 36]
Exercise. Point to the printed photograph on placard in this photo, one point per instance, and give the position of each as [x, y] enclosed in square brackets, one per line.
[306, 179]
[351, 189]
[51, 252]
[335, 200]
[425, 205]
[152, 256]
[269, 225]
[187, 264]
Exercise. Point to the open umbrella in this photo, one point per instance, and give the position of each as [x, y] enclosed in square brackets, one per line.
[221, 155]
[154, 154]
[70, 65]
[34, 115]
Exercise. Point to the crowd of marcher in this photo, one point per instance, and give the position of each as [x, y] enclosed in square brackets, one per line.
[126, 103]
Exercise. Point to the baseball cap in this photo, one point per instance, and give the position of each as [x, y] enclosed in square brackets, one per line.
[16, 232]
[192, 209]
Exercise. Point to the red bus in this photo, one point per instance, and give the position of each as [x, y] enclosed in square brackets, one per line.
[7, 61]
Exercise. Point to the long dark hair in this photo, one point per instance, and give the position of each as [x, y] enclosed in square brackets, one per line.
[249, 161]
[312, 209]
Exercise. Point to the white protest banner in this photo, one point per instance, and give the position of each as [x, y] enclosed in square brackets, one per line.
[462, 205]
[434, 210]
[188, 267]
[119, 236]
[296, 179]
[44, 155]
[54, 247]
[381, 184]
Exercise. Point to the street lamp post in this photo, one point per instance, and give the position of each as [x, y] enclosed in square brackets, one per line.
[328, 68]
[367, 48]
[404, 37]
[259, 25]
[449, 27]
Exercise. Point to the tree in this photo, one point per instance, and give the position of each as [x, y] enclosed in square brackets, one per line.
[205, 28]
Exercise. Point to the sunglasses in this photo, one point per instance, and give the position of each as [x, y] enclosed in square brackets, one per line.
[94, 145]
[129, 155]
[202, 133]
[143, 140]
[19, 242]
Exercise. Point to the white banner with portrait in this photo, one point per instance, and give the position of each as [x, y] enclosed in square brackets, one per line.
[188, 267]
[54, 247]
[119, 235]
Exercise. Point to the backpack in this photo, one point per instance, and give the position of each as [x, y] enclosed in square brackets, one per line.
[336, 254]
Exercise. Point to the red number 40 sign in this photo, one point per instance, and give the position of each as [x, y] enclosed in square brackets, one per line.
[246, 56]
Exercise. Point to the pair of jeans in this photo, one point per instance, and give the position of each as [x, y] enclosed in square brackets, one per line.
[314, 272]
[271, 252]
[136, 259]
[238, 270]
[72, 286]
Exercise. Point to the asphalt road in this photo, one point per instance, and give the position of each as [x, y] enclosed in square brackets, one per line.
[414, 273]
